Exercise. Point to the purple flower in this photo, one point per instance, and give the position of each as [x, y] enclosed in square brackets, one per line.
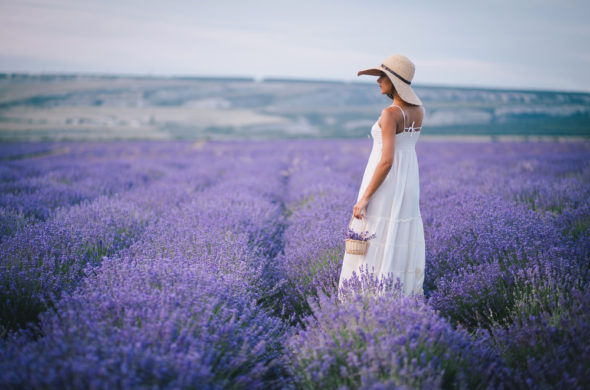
[363, 236]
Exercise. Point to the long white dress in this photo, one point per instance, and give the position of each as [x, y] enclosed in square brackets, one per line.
[393, 214]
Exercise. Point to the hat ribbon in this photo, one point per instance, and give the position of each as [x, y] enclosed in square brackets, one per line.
[395, 74]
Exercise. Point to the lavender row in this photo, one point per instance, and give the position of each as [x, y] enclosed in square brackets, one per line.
[33, 188]
[19, 150]
[508, 254]
[481, 235]
[319, 204]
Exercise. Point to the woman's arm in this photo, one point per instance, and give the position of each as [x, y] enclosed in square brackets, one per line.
[388, 130]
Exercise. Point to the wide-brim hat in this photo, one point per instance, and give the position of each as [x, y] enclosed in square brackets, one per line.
[400, 71]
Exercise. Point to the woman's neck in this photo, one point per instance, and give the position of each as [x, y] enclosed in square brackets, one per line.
[398, 101]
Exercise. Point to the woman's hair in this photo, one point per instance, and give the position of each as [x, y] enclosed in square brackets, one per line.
[392, 86]
[392, 92]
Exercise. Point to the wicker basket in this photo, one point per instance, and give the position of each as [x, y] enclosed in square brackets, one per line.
[356, 247]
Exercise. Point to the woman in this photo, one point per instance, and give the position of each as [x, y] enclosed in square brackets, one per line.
[388, 198]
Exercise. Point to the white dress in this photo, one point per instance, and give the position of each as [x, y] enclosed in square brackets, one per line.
[393, 214]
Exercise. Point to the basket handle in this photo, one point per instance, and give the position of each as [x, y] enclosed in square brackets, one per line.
[362, 219]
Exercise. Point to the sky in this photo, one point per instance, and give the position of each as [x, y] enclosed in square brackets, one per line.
[517, 44]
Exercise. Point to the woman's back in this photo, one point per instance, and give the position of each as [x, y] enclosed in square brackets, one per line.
[412, 117]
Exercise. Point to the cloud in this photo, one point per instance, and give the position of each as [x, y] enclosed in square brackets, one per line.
[473, 72]
[86, 39]
[330, 41]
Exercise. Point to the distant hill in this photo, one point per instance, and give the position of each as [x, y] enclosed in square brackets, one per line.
[92, 107]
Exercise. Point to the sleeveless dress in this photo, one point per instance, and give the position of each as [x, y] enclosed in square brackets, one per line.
[393, 214]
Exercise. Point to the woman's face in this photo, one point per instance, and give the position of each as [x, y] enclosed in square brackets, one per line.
[385, 84]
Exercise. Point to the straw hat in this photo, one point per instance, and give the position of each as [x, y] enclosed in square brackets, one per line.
[400, 71]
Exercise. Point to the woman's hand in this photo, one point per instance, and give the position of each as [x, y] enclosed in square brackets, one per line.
[359, 207]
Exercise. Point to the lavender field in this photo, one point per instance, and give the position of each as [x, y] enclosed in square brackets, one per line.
[214, 265]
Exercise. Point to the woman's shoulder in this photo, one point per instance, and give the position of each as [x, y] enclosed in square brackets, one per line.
[390, 116]
[392, 113]
[412, 110]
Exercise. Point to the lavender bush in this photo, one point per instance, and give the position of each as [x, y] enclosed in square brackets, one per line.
[381, 339]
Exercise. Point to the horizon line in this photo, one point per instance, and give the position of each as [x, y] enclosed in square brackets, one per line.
[270, 79]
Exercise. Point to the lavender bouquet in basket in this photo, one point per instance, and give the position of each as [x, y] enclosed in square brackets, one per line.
[363, 236]
[357, 243]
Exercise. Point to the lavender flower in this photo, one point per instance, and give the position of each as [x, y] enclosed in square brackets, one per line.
[362, 236]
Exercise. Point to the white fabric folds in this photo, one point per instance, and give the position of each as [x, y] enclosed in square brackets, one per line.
[393, 214]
